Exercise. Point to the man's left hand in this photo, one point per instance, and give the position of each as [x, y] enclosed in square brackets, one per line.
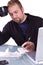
[29, 46]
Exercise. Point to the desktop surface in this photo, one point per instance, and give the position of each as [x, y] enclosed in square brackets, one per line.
[13, 59]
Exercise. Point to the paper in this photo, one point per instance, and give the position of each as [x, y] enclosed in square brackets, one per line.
[7, 50]
[7, 53]
[22, 50]
[10, 54]
[18, 53]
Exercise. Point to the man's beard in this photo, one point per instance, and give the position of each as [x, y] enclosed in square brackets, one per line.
[17, 20]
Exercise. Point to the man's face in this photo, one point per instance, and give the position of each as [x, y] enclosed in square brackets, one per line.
[16, 13]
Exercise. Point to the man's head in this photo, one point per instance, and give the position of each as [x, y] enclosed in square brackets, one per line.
[16, 10]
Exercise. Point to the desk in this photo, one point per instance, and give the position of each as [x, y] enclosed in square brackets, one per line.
[22, 60]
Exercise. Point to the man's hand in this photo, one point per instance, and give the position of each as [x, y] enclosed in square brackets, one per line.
[29, 46]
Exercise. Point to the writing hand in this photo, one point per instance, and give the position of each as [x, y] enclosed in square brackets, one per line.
[29, 46]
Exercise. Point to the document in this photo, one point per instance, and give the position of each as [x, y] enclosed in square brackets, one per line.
[18, 53]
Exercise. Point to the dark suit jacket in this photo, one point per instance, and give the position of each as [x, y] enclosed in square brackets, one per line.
[13, 30]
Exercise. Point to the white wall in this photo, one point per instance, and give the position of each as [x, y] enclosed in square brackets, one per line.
[34, 7]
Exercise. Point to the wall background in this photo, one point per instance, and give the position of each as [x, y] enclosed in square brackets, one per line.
[34, 7]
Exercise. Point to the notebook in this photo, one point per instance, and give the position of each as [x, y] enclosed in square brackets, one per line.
[37, 56]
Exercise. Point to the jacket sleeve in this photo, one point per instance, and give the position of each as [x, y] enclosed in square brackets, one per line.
[34, 35]
[4, 35]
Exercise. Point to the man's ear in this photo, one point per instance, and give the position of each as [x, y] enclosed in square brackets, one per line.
[22, 10]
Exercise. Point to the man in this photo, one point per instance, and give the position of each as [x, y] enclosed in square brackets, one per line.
[23, 28]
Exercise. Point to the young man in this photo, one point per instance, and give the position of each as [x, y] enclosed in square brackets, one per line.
[23, 28]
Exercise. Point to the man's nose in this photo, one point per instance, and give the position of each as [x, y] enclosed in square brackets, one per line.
[14, 15]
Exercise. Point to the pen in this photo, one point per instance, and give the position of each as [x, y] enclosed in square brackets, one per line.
[29, 38]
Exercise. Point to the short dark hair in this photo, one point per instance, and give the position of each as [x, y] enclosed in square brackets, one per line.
[12, 2]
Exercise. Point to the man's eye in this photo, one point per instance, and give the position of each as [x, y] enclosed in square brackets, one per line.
[16, 12]
[10, 14]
